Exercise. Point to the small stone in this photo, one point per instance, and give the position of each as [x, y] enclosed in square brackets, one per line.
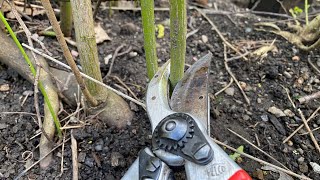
[285, 150]
[300, 150]
[295, 58]
[98, 147]
[133, 54]
[264, 118]
[245, 117]
[133, 106]
[318, 121]
[290, 143]
[248, 30]
[107, 59]
[204, 38]
[303, 146]
[287, 75]
[289, 113]
[259, 101]
[276, 111]
[318, 62]
[89, 162]
[300, 160]
[229, 91]
[315, 167]
[298, 82]
[27, 93]
[4, 87]
[308, 88]
[74, 53]
[81, 157]
[303, 167]
[73, 119]
[3, 126]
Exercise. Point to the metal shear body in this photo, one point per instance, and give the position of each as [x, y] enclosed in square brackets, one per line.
[180, 131]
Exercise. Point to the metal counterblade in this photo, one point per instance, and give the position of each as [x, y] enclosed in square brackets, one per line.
[191, 93]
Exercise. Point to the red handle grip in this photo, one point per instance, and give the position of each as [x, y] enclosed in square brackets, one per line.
[240, 175]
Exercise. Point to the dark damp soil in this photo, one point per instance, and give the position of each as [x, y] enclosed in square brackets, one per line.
[106, 153]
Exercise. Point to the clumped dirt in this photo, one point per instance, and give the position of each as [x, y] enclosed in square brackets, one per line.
[106, 153]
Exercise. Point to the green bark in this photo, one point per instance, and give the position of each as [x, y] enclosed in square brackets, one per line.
[178, 31]
[86, 44]
[66, 17]
[147, 13]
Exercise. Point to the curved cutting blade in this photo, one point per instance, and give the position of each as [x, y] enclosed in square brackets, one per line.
[157, 96]
[191, 93]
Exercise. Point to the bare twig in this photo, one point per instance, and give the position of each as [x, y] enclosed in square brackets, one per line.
[309, 130]
[224, 88]
[74, 150]
[289, 97]
[123, 84]
[37, 162]
[262, 162]
[112, 60]
[219, 33]
[20, 113]
[253, 145]
[232, 75]
[310, 97]
[301, 126]
[53, 20]
[191, 33]
[62, 154]
[238, 57]
[86, 76]
[313, 66]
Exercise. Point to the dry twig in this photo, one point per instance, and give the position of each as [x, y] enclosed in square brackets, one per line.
[301, 126]
[37, 162]
[74, 150]
[220, 34]
[232, 75]
[86, 76]
[224, 88]
[253, 145]
[315, 142]
[112, 60]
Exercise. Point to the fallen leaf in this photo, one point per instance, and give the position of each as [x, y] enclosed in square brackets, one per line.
[160, 29]
[100, 34]
[283, 176]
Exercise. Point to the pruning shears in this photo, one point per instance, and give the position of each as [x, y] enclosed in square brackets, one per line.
[180, 131]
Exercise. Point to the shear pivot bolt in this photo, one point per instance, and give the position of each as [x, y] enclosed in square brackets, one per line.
[203, 153]
[170, 126]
